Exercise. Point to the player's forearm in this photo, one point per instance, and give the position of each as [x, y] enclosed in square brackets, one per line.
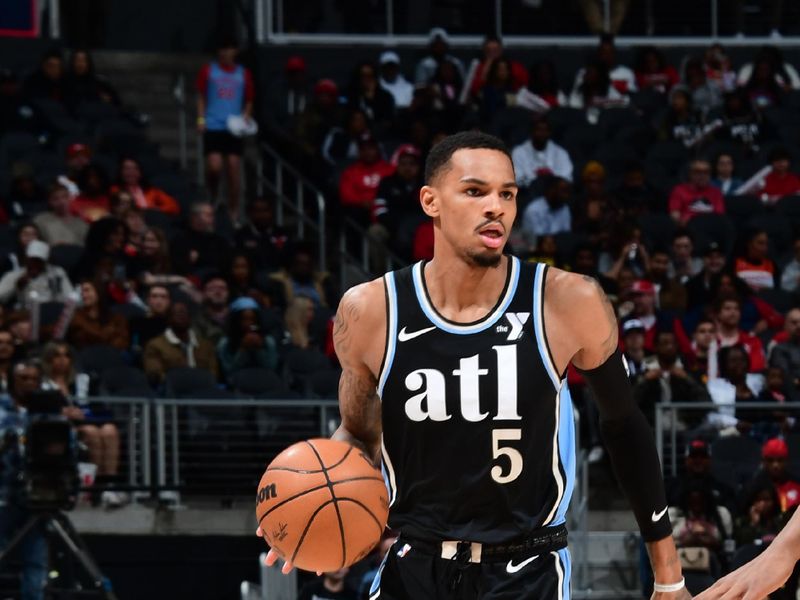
[664, 560]
[788, 541]
[371, 447]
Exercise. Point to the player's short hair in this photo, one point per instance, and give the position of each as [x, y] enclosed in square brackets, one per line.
[440, 154]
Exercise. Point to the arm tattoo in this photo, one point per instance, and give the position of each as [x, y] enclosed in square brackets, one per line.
[348, 314]
[360, 409]
[609, 344]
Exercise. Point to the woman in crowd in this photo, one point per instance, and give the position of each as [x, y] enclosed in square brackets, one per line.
[494, 94]
[152, 265]
[753, 264]
[596, 90]
[242, 281]
[724, 177]
[700, 526]
[762, 519]
[94, 324]
[84, 85]
[653, 72]
[544, 83]
[95, 430]
[680, 122]
[763, 89]
[93, 202]
[367, 95]
[246, 345]
[145, 196]
[298, 317]
[26, 233]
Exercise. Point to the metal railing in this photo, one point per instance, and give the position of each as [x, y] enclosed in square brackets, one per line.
[671, 439]
[362, 257]
[297, 196]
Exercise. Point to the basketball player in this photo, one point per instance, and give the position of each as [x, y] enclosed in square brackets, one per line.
[454, 381]
[765, 573]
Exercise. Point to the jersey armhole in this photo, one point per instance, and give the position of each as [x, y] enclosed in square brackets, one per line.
[539, 324]
[390, 293]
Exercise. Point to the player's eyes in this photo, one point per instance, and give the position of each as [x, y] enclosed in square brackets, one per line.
[473, 191]
[507, 195]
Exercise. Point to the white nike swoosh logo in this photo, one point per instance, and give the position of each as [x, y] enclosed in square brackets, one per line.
[656, 517]
[404, 336]
[512, 568]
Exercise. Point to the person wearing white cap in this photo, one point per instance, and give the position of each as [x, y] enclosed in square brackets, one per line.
[37, 281]
[438, 45]
[392, 80]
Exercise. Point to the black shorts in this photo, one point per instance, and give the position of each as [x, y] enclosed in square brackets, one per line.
[222, 142]
[409, 574]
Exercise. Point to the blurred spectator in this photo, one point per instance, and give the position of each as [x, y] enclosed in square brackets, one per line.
[121, 202]
[24, 195]
[136, 227]
[540, 156]
[785, 74]
[178, 346]
[224, 90]
[393, 81]
[145, 196]
[697, 196]
[754, 265]
[37, 281]
[731, 384]
[301, 278]
[762, 88]
[56, 225]
[761, 520]
[78, 156]
[790, 276]
[359, 182]
[320, 116]
[728, 316]
[93, 323]
[21, 329]
[199, 247]
[670, 293]
[491, 51]
[288, 98]
[245, 345]
[718, 68]
[653, 72]
[101, 438]
[665, 380]
[737, 122]
[789, 335]
[47, 82]
[643, 297]
[438, 46]
[6, 359]
[16, 112]
[624, 250]
[594, 211]
[593, 12]
[706, 96]
[584, 261]
[680, 122]
[697, 462]
[84, 85]
[779, 182]
[104, 259]
[698, 522]
[544, 83]
[684, 265]
[25, 234]
[93, 202]
[635, 196]
[697, 353]
[331, 586]
[366, 94]
[757, 314]
[153, 265]
[242, 281]
[154, 322]
[724, 178]
[299, 315]
[620, 77]
[595, 89]
[341, 145]
[445, 93]
[633, 348]
[771, 422]
[265, 243]
[699, 287]
[497, 92]
[774, 472]
[396, 209]
[549, 214]
[210, 322]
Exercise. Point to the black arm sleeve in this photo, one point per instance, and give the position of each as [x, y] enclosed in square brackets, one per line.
[631, 446]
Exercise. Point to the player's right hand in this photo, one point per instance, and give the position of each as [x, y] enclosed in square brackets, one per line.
[272, 557]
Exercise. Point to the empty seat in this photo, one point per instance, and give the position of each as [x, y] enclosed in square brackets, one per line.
[325, 384]
[124, 381]
[66, 256]
[713, 228]
[789, 207]
[734, 460]
[185, 382]
[657, 230]
[16, 146]
[563, 118]
[512, 125]
[778, 299]
[49, 312]
[668, 157]
[256, 382]
[96, 359]
[742, 208]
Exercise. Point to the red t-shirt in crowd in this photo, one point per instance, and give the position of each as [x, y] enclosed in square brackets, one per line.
[690, 200]
[201, 83]
[779, 185]
[90, 209]
[519, 76]
[359, 182]
[788, 494]
[661, 81]
[423, 241]
[754, 349]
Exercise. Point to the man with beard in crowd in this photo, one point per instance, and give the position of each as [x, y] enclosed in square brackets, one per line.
[211, 321]
[698, 288]
[549, 214]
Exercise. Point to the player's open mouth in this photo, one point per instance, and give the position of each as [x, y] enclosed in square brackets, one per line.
[492, 236]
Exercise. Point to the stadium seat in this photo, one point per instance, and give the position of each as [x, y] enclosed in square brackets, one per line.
[95, 112]
[612, 120]
[512, 125]
[713, 228]
[614, 155]
[124, 382]
[789, 207]
[325, 384]
[779, 231]
[186, 382]
[566, 243]
[66, 256]
[668, 157]
[96, 359]
[563, 118]
[734, 460]
[742, 208]
[16, 146]
[256, 382]
[300, 364]
[778, 299]
[657, 230]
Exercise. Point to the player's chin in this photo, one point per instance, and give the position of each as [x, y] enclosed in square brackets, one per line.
[485, 257]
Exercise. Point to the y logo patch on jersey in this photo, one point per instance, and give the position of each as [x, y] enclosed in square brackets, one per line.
[517, 322]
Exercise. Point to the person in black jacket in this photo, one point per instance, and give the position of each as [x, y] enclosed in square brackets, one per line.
[266, 245]
[199, 249]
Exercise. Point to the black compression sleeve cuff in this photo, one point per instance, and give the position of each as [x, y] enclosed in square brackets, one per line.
[631, 446]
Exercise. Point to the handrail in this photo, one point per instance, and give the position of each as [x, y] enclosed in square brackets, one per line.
[298, 208]
[349, 230]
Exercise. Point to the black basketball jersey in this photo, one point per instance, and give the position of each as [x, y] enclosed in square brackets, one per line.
[478, 434]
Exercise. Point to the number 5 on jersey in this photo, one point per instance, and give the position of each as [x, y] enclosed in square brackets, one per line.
[513, 455]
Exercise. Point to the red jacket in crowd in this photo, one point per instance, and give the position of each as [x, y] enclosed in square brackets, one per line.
[777, 185]
[690, 201]
[359, 182]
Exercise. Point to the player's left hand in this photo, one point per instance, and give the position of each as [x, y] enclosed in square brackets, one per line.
[272, 557]
[679, 595]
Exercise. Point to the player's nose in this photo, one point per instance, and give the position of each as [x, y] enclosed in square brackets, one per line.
[493, 207]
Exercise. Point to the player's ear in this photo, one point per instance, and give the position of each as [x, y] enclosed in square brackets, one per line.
[429, 201]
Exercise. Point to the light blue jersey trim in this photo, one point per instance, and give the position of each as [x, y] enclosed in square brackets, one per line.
[391, 342]
[566, 451]
[491, 319]
[566, 564]
[538, 325]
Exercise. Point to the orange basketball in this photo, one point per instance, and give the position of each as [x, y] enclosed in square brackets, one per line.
[322, 505]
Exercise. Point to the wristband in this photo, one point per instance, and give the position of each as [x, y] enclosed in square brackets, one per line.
[669, 587]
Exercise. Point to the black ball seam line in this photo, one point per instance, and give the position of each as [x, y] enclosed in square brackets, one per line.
[333, 497]
[308, 526]
[309, 471]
